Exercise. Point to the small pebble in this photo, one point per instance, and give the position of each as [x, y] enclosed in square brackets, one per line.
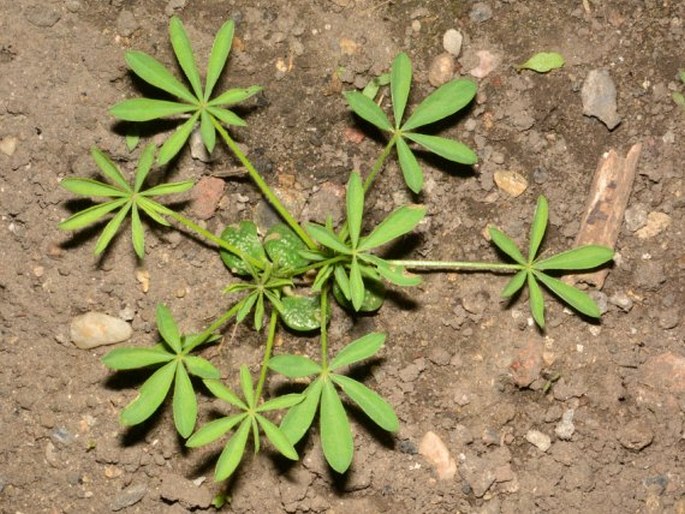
[435, 452]
[129, 496]
[656, 223]
[8, 145]
[95, 329]
[635, 435]
[452, 41]
[541, 441]
[622, 301]
[511, 182]
[599, 98]
[565, 429]
[480, 12]
[441, 69]
[635, 217]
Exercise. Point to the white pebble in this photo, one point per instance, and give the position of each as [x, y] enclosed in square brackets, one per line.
[541, 441]
[95, 329]
[452, 41]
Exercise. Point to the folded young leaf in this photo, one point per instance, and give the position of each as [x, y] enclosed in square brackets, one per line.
[354, 202]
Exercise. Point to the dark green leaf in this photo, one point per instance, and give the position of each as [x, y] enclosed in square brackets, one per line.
[336, 435]
[370, 402]
[90, 215]
[356, 285]
[277, 438]
[514, 284]
[167, 328]
[399, 222]
[232, 453]
[449, 149]
[89, 187]
[255, 434]
[284, 247]
[355, 206]
[411, 171]
[111, 228]
[218, 56]
[374, 296]
[581, 258]
[538, 227]
[504, 243]
[342, 280]
[441, 103]
[133, 358]
[246, 305]
[569, 294]
[150, 396]
[400, 83]
[146, 109]
[358, 350]
[214, 430]
[299, 418]
[153, 72]
[366, 109]
[184, 54]
[184, 403]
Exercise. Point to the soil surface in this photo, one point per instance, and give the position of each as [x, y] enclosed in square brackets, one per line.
[585, 417]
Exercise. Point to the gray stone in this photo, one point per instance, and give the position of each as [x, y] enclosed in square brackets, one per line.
[95, 329]
[635, 435]
[129, 496]
[42, 15]
[126, 23]
[599, 98]
[176, 488]
[565, 429]
[480, 12]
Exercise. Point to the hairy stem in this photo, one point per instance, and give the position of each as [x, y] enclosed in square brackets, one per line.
[267, 352]
[214, 239]
[456, 265]
[264, 188]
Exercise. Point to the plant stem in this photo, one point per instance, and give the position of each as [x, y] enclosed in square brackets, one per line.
[214, 326]
[264, 188]
[379, 163]
[267, 352]
[319, 264]
[214, 239]
[324, 328]
[456, 265]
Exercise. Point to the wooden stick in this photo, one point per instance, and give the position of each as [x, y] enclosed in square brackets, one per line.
[606, 205]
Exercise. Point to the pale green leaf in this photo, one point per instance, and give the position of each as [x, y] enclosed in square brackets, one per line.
[166, 325]
[356, 284]
[169, 189]
[184, 54]
[449, 149]
[137, 232]
[147, 158]
[411, 171]
[109, 169]
[277, 438]
[184, 403]
[90, 187]
[580, 258]
[234, 96]
[506, 244]
[358, 350]
[224, 393]
[153, 72]
[201, 367]
[281, 402]
[336, 435]
[247, 386]
[514, 284]
[150, 396]
[218, 56]
[299, 418]
[370, 402]
[134, 358]
[543, 62]
[538, 227]
[91, 214]
[226, 116]
[355, 206]
[146, 109]
[207, 131]
[576, 298]
[399, 222]
[213, 430]
[152, 209]
[232, 453]
[175, 142]
[327, 238]
[367, 110]
[536, 301]
[111, 229]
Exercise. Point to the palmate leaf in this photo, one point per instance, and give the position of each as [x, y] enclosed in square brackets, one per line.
[299, 418]
[184, 54]
[327, 238]
[580, 258]
[111, 228]
[167, 328]
[507, 245]
[411, 171]
[356, 284]
[399, 222]
[277, 438]
[218, 56]
[446, 148]
[184, 403]
[233, 452]
[354, 202]
[569, 294]
[443, 102]
[367, 109]
[213, 430]
[536, 301]
[234, 96]
[400, 83]
[91, 214]
[375, 407]
[153, 72]
[538, 227]
[336, 435]
[134, 358]
[146, 109]
[150, 396]
[175, 142]
[358, 350]
[89, 187]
